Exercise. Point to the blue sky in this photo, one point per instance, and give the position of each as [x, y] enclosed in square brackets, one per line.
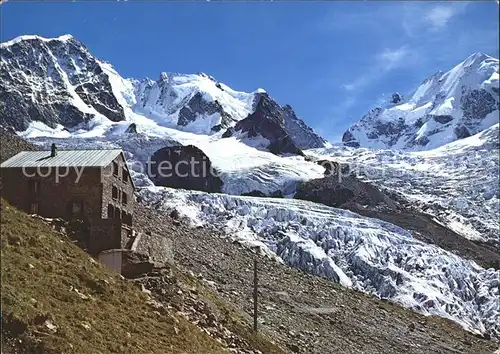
[332, 61]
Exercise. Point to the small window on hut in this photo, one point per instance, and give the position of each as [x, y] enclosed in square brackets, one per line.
[114, 192]
[124, 175]
[115, 169]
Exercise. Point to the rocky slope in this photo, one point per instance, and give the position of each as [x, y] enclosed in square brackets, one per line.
[183, 167]
[303, 313]
[59, 83]
[11, 144]
[444, 108]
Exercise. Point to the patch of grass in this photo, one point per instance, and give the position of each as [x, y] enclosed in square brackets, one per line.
[57, 299]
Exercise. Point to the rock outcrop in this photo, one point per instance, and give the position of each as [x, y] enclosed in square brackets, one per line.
[185, 167]
[346, 192]
[268, 122]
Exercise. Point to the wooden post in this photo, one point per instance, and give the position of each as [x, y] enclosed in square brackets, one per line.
[255, 294]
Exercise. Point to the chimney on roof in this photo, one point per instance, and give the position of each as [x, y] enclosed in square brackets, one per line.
[53, 150]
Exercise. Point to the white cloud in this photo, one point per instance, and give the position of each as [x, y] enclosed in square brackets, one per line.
[392, 58]
[440, 16]
[386, 61]
[415, 19]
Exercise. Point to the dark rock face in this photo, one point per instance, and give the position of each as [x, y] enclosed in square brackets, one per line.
[422, 141]
[462, 132]
[396, 98]
[198, 106]
[185, 167]
[443, 119]
[300, 133]
[477, 104]
[349, 140]
[256, 193]
[38, 76]
[394, 129]
[342, 192]
[268, 121]
[132, 129]
[333, 168]
[229, 133]
[135, 264]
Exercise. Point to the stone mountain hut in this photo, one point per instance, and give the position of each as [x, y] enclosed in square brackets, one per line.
[93, 186]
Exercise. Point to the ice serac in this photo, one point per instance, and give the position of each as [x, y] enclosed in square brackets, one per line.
[366, 254]
[55, 81]
[444, 108]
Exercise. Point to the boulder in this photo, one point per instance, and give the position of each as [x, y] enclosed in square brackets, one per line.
[199, 106]
[135, 264]
[396, 98]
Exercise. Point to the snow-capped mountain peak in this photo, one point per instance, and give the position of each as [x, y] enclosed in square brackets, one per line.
[445, 107]
[28, 37]
[58, 82]
[54, 81]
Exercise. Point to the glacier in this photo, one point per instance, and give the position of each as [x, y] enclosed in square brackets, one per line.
[457, 183]
[366, 254]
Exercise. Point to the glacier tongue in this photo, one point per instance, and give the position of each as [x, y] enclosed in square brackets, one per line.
[367, 254]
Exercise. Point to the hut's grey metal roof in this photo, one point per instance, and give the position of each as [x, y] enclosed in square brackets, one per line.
[64, 158]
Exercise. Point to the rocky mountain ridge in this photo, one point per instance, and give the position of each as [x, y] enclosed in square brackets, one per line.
[59, 83]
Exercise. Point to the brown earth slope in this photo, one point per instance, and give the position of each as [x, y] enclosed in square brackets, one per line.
[57, 299]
